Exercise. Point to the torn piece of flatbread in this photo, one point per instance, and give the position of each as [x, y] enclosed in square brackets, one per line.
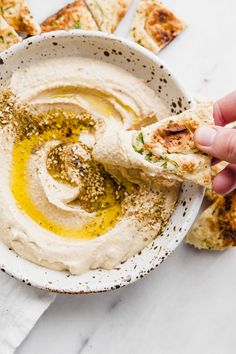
[108, 13]
[73, 16]
[163, 152]
[17, 14]
[154, 25]
[169, 145]
[8, 36]
[216, 227]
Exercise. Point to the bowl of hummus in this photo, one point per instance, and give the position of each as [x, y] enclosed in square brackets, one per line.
[72, 218]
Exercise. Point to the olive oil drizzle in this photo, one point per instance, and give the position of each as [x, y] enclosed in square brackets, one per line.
[31, 134]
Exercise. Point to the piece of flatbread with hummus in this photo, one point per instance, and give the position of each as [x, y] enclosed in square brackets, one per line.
[155, 26]
[163, 151]
[73, 16]
[169, 145]
[216, 227]
[18, 15]
[8, 36]
[108, 13]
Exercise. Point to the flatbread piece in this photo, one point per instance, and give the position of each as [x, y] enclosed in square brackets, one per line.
[169, 145]
[108, 13]
[8, 36]
[155, 26]
[73, 16]
[17, 14]
[216, 227]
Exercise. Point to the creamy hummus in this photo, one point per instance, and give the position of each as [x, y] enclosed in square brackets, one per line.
[60, 205]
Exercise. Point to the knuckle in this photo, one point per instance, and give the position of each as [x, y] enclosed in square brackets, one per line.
[218, 114]
[230, 146]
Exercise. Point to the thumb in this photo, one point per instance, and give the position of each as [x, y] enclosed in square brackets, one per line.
[218, 142]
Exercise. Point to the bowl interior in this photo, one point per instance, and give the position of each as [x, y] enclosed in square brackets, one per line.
[149, 68]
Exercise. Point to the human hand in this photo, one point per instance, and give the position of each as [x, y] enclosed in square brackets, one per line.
[220, 142]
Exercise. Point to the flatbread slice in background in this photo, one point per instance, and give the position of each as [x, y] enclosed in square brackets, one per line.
[155, 26]
[169, 145]
[108, 13]
[17, 14]
[210, 193]
[73, 16]
[216, 227]
[8, 36]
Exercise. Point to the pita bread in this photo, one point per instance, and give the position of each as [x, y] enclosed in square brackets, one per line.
[8, 36]
[17, 14]
[216, 227]
[73, 16]
[108, 13]
[169, 145]
[155, 26]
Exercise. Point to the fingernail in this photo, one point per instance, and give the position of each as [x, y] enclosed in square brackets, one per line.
[205, 136]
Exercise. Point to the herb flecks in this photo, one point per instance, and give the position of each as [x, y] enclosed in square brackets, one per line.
[77, 25]
[138, 143]
[148, 156]
[139, 138]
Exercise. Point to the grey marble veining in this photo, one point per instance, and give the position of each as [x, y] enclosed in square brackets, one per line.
[186, 306]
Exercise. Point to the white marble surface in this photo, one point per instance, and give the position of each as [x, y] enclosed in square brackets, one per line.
[188, 304]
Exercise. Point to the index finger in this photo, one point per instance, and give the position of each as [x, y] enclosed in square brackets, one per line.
[225, 110]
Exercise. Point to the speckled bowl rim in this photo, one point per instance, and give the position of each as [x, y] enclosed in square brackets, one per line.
[196, 202]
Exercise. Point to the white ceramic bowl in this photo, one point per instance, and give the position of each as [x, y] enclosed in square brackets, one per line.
[148, 67]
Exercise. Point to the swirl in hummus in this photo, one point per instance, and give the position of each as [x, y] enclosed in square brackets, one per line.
[60, 205]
